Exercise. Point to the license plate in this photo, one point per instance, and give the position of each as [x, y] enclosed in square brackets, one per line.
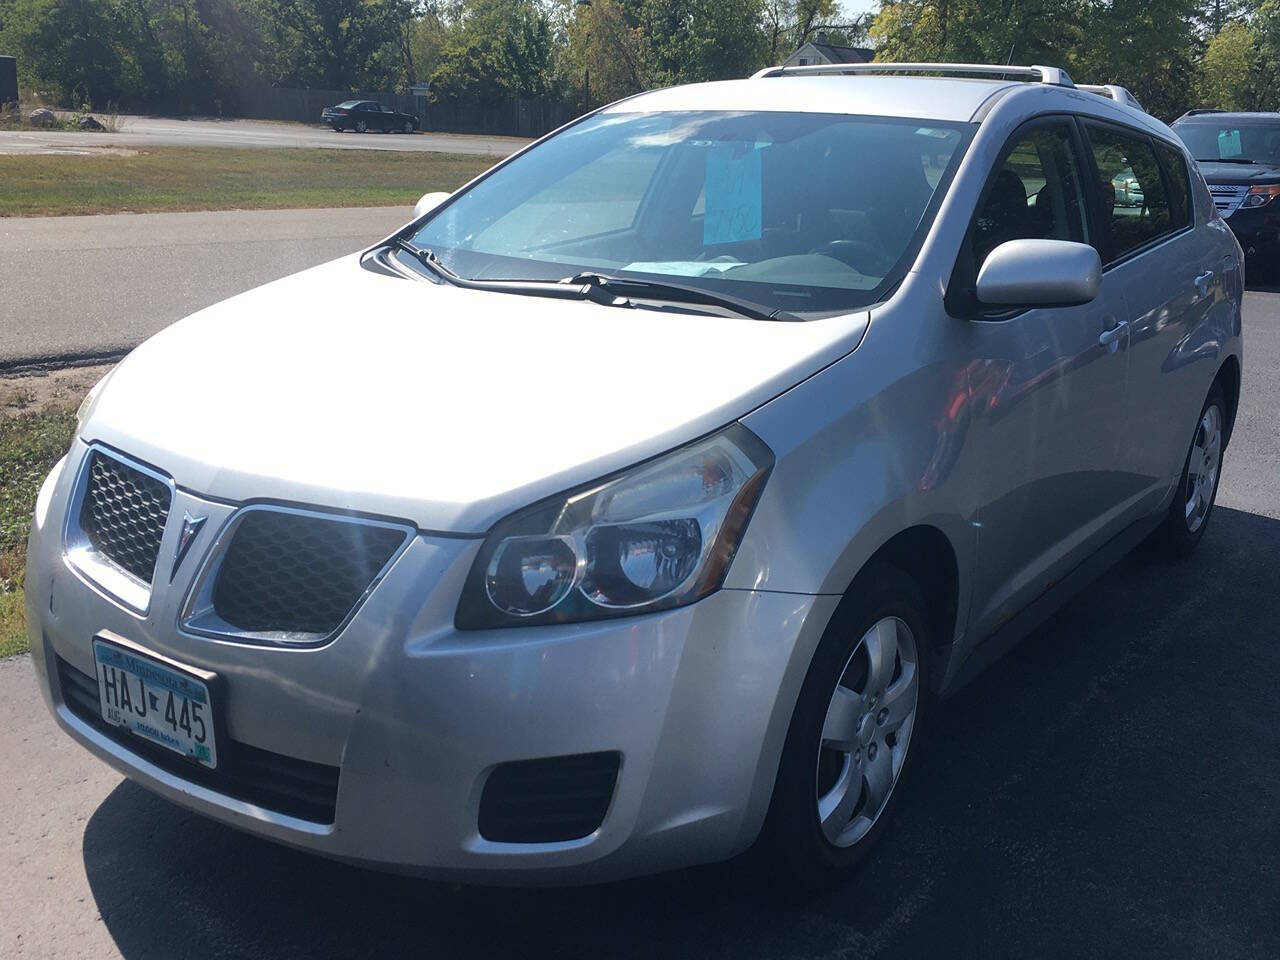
[153, 700]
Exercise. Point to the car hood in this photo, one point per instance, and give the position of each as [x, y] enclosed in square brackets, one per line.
[1238, 172]
[345, 388]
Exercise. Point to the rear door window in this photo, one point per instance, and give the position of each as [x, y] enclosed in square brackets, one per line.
[1136, 209]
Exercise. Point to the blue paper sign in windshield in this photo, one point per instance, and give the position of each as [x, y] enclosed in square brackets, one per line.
[1229, 144]
[733, 194]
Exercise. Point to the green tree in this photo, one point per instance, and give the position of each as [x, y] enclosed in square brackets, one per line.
[494, 50]
[605, 44]
[329, 44]
[1212, 16]
[1265, 25]
[688, 41]
[789, 24]
[1017, 31]
[1149, 46]
[1226, 76]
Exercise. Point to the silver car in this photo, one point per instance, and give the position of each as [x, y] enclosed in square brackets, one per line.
[634, 505]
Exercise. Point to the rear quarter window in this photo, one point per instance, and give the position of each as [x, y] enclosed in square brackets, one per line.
[1178, 179]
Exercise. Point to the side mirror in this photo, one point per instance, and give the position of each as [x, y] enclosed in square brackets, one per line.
[1039, 273]
[428, 203]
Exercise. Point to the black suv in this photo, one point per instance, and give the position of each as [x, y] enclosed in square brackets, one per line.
[1239, 155]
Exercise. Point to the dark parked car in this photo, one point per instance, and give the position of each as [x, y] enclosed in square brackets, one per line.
[1239, 155]
[365, 115]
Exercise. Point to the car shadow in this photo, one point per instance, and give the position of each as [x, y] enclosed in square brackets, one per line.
[1110, 786]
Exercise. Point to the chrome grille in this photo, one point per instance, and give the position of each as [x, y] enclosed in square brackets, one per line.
[1227, 197]
[123, 514]
[297, 574]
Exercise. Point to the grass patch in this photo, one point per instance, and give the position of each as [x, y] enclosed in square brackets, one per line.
[216, 178]
[30, 444]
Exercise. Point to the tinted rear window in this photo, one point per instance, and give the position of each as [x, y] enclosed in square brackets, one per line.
[1135, 203]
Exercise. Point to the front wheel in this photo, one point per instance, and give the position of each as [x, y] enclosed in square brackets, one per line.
[408, 126]
[853, 729]
[1192, 505]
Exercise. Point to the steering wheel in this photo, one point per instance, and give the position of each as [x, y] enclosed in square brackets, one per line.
[866, 258]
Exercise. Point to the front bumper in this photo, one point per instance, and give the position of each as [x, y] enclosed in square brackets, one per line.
[1257, 229]
[416, 715]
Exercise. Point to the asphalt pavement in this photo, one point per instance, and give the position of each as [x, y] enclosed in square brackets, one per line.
[77, 287]
[168, 132]
[1111, 788]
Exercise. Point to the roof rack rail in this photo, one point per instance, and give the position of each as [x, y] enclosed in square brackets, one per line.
[1201, 111]
[1053, 75]
[1117, 93]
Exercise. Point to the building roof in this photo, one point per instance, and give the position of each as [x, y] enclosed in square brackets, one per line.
[818, 50]
[838, 54]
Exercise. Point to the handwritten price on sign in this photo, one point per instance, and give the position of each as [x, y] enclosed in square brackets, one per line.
[733, 185]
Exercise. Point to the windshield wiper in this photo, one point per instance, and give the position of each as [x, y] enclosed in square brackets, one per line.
[597, 287]
[678, 293]
[1228, 160]
[527, 288]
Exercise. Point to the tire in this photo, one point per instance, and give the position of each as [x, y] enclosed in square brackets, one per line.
[408, 127]
[797, 839]
[1192, 506]
[337, 129]
[361, 127]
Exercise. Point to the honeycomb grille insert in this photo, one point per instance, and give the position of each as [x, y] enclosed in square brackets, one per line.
[124, 513]
[289, 573]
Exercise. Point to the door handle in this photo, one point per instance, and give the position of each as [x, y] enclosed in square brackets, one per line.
[1111, 338]
[1202, 282]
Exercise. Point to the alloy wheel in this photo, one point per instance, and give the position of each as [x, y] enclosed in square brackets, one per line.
[1203, 467]
[867, 731]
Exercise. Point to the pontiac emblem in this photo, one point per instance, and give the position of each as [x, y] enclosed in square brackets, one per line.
[190, 527]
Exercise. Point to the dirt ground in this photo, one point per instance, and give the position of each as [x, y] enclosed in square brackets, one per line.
[48, 391]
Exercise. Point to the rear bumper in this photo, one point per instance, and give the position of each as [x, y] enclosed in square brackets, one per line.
[417, 716]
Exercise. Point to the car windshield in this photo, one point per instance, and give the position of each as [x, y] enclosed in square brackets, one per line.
[1258, 140]
[798, 211]
[350, 103]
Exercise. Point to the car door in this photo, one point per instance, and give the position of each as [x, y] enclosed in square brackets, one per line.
[387, 118]
[1172, 275]
[1050, 383]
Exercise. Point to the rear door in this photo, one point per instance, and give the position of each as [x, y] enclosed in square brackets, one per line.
[1171, 275]
[1051, 384]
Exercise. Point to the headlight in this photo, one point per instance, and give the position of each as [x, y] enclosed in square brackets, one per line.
[1261, 196]
[659, 535]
